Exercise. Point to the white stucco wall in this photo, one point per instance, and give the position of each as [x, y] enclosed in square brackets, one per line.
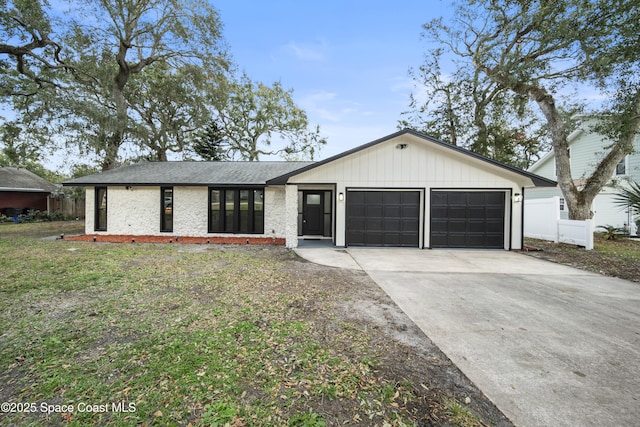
[190, 211]
[136, 211]
[133, 211]
[291, 216]
[274, 206]
[89, 210]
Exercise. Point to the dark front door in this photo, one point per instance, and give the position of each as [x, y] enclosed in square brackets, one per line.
[313, 213]
[467, 219]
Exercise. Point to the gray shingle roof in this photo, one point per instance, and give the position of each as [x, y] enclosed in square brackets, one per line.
[191, 173]
[19, 179]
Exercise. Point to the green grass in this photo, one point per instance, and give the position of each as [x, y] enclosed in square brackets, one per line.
[623, 249]
[461, 416]
[177, 336]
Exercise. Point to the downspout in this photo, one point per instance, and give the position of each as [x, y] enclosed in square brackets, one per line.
[522, 222]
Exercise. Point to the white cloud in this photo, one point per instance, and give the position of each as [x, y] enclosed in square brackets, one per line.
[308, 52]
[318, 105]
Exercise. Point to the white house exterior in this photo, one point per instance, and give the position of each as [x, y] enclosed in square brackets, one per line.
[405, 189]
[587, 148]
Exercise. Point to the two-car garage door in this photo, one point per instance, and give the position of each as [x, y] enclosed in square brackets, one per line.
[459, 219]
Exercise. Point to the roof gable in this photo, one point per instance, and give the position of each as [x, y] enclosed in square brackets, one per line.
[20, 179]
[456, 151]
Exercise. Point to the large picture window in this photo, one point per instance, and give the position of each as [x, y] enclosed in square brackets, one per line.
[166, 209]
[100, 223]
[238, 211]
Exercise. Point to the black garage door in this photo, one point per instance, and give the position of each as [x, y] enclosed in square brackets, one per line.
[383, 218]
[467, 219]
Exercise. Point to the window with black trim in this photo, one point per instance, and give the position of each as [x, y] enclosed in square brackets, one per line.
[100, 223]
[166, 209]
[239, 211]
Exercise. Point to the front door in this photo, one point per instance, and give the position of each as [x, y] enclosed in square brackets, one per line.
[313, 213]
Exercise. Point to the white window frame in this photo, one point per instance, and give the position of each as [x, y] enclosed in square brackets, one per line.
[625, 162]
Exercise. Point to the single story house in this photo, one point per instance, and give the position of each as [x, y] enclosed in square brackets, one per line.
[22, 190]
[405, 189]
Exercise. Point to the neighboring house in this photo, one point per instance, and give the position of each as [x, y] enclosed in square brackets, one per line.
[22, 190]
[586, 148]
[405, 189]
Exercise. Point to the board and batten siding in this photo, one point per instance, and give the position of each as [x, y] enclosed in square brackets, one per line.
[421, 165]
[136, 211]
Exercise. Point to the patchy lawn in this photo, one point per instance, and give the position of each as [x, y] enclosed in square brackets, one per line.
[144, 334]
[617, 258]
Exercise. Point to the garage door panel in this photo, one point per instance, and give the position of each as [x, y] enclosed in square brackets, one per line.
[478, 199]
[457, 212]
[456, 198]
[495, 198]
[409, 225]
[467, 219]
[356, 210]
[392, 224]
[392, 211]
[477, 227]
[495, 227]
[390, 218]
[439, 211]
[456, 226]
[392, 197]
[410, 211]
[375, 211]
[495, 212]
[374, 197]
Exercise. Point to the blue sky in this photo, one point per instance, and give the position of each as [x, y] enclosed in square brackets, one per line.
[347, 61]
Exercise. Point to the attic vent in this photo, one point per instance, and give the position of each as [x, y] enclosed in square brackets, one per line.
[401, 146]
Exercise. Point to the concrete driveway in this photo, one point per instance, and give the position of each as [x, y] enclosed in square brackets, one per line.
[548, 344]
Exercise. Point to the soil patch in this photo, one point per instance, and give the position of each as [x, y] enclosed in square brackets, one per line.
[615, 258]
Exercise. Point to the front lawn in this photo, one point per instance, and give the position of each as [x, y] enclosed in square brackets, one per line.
[143, 334]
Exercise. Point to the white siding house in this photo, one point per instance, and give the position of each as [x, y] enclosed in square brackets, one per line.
[587, 148]
[405, 189]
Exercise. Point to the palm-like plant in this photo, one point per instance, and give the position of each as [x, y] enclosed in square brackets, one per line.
[629, 197]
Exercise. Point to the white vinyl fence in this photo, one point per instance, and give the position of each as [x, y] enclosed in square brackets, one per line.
[542, 221]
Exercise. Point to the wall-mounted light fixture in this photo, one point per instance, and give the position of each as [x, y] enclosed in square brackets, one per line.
[401, 146]
[341, 196]
[129, 187]
[517, 198]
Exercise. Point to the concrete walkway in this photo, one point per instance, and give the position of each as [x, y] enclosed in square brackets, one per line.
[549, 345]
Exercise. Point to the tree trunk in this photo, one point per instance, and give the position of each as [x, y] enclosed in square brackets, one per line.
[161, 154]
[581, 209]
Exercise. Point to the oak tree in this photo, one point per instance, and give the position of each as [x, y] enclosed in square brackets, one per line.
[539, 49]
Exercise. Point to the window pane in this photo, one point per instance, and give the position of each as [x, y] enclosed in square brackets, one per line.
[101, 209]
[229, 210]
[166, 218]
[313, 199]
[258, 211]
[244, 211]
[214, 211]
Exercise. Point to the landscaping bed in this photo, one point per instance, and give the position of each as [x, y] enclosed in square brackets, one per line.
[164, 334]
